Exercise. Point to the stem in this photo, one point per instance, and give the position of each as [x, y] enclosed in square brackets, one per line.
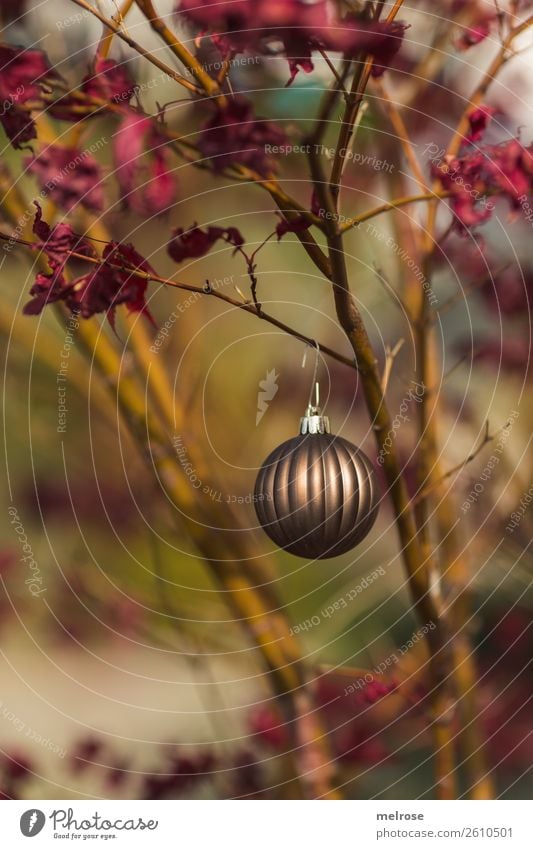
[107, 38]
[207, 83]
[353, 103]
[44, 348]
[392, 204]
[327, 105]
[402, 133]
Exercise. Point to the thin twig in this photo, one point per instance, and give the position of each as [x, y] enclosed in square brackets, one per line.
[390, 356]
[116, 29]
[487, 437]
[391, 204]
[208, 84]
[465, 291]
[402, 133]
[332, 68]
[247, 307]
[104, 45]
[353, 103]
[393, 294]
[448, 374]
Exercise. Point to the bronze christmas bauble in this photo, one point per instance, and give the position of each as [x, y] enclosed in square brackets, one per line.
[316, 495]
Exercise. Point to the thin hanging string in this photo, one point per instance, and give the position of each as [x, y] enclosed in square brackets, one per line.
[315, 387]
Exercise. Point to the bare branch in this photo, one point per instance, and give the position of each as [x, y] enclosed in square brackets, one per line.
[390, 356]
[247, 306]
[208, 84]
[391, 204]
[118, 31]
[487, 437]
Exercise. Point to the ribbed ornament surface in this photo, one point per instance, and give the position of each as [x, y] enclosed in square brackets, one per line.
[316, 495]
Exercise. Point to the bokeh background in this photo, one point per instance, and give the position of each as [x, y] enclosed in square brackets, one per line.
[129, 676]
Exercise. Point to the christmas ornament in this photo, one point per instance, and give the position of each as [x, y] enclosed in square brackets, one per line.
[316, 495]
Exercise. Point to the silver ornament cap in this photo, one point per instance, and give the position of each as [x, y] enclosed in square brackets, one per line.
[313, 421]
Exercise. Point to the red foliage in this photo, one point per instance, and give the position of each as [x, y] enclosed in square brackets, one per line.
[23, 74]
[143, 167]
[109, 81]
[112, 280]
[233, 134]
[269, 727]
[505, 169]
[195, 242]
[180, 774]
[68, 176]
[478, 31]
[299, 27]
[479, 119]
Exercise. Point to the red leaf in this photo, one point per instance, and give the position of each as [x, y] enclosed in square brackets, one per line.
[143, 165]
[195, 242]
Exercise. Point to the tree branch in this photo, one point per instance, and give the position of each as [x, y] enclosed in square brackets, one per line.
[353, 103]
[208, 84]
[392, 204]
[116, 29]
[248, 307]
[487, 437]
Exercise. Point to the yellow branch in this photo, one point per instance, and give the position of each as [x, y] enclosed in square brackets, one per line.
[107, 38]
[209, 85]
[115, 28]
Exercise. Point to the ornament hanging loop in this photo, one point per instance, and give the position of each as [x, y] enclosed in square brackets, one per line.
[313, 421]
